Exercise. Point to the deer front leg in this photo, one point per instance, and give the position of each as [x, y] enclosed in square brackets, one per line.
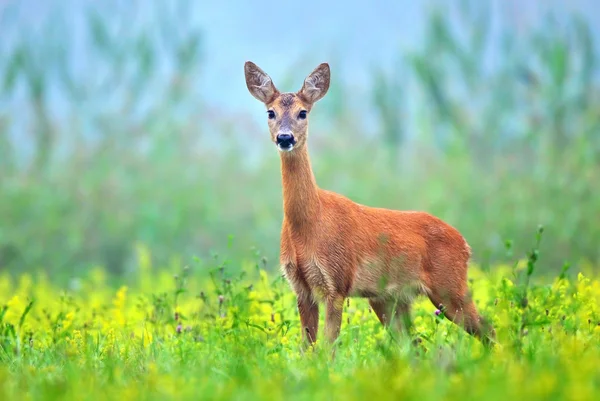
[309, 317]
[333, 317]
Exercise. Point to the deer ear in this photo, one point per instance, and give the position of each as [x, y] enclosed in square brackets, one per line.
[316, 84]
[259, 83]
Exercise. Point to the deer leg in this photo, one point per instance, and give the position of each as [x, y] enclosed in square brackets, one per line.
[388, 310]
[333, 317]
[462, 311]
[309, 318]
[402, 315]
[382, 309]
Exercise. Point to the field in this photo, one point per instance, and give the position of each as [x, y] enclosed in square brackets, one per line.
[175, 333]
[141, 196]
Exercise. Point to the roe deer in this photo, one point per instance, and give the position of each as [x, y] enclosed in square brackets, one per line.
[333, 248]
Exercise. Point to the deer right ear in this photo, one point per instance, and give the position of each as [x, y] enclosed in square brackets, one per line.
[259, 83]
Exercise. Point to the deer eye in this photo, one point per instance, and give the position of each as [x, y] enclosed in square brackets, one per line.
[271, 114]
[302, 114]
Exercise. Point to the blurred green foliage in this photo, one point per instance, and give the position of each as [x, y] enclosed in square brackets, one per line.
[498, 149]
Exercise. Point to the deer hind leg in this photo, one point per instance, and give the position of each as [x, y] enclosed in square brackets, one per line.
[462, 311]
[390, 311]
[402, 314]
[446, 285]
[383, 310]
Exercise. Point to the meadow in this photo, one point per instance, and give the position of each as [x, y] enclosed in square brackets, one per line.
[201, 331]
[140, 215]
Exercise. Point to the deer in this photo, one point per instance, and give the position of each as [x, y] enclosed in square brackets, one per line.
[332, 248]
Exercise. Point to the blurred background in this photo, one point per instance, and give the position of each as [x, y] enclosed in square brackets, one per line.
[126, 123]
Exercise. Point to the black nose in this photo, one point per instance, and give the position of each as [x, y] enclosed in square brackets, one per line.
[285, 140]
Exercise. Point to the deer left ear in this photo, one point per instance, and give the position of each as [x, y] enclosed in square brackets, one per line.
[316, 84]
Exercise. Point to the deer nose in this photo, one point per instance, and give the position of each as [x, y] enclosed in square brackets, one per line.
[285, 140]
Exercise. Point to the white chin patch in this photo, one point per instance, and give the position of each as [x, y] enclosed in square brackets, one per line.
[285, 149]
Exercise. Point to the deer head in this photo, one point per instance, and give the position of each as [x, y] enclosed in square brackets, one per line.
[287, 113]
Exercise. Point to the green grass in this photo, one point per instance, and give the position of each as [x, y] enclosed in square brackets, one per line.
[202, 332]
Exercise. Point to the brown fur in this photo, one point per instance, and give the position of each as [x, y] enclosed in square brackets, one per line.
[333, 248]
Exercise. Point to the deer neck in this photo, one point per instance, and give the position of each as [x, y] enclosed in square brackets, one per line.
[301, 206]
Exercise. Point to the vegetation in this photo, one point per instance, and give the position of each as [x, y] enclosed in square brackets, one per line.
[128, 146]
[203, 332]
[117, 169]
